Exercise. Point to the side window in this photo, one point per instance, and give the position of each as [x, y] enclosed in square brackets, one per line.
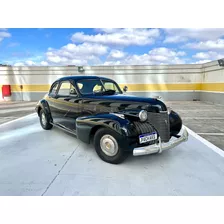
[97, 88]
[67, 89]
[110, 85]
[80, 85]
[54, 89]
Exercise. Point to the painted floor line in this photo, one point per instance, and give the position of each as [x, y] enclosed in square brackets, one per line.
[215, 134]
[23, 110]
[20, 118]
[9, 117]
[204, 118]
[204, 141]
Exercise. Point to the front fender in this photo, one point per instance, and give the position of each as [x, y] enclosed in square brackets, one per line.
[85, 125]
[175, 123]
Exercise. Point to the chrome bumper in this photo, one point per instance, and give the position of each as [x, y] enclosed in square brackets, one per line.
[158, 148]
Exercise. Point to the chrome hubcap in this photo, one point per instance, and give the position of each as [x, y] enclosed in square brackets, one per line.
[109, 145]
[43, 119]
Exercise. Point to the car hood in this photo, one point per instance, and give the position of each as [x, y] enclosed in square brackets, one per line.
[131, 98]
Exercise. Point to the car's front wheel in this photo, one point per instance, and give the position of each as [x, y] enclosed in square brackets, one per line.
[44, 121]
[106, 144]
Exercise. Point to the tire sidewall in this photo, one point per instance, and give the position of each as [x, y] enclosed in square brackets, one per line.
[121, 154]
[48, 125]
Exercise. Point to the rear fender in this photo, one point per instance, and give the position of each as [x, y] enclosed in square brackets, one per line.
[43, 104]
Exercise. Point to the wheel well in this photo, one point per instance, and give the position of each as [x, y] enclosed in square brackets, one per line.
[93, 131]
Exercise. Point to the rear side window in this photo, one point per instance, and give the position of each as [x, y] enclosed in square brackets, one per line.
[64, 89]
[54, 88]
[67, 89]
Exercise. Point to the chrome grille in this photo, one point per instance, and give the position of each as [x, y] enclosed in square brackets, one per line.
[160, 121]
[141, 128]
[137, 128]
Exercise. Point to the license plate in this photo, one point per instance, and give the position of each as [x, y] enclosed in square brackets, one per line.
[147, 137]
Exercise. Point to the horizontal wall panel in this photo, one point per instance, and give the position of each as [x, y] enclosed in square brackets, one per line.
[162, 87]
[213, 76]
[212, 68]
[123, 79]
[159, 78]
[102, 72]
[219, 87]
[210, 64]
[38, 68]
[117, 67]
[131, 87]
[27, 96]
[149, 67]
[217, 98]
[30, 88]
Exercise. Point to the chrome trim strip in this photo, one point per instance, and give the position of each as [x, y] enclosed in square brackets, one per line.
[158, 148]
[64, 129]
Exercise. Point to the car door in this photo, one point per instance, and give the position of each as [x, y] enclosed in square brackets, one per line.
[52, 102]
[66, 106]
[88, 104]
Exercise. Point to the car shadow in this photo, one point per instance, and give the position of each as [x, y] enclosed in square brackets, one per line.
[141, 160]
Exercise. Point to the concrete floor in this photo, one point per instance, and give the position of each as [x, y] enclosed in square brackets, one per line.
[206, 119]
[38, 162]
[11, 110]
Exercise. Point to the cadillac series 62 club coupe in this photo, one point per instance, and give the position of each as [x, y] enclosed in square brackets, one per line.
[97, 111]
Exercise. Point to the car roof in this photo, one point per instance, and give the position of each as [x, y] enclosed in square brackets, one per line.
[78, 77]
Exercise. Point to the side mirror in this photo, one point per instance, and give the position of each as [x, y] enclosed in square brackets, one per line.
[125, 89]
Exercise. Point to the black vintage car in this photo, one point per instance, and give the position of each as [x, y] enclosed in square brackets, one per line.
[96, 110]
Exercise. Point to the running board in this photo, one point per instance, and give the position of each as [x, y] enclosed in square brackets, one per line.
[64, 129]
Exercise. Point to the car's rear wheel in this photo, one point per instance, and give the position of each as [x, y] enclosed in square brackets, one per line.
[107, 147]
[44, 121]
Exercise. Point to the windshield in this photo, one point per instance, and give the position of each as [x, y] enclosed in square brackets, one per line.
[94, 86]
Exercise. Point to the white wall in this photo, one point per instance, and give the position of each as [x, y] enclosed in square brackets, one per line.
[212, 89]
[174, 82]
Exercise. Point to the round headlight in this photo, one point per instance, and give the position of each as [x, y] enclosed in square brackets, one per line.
[143, 115]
